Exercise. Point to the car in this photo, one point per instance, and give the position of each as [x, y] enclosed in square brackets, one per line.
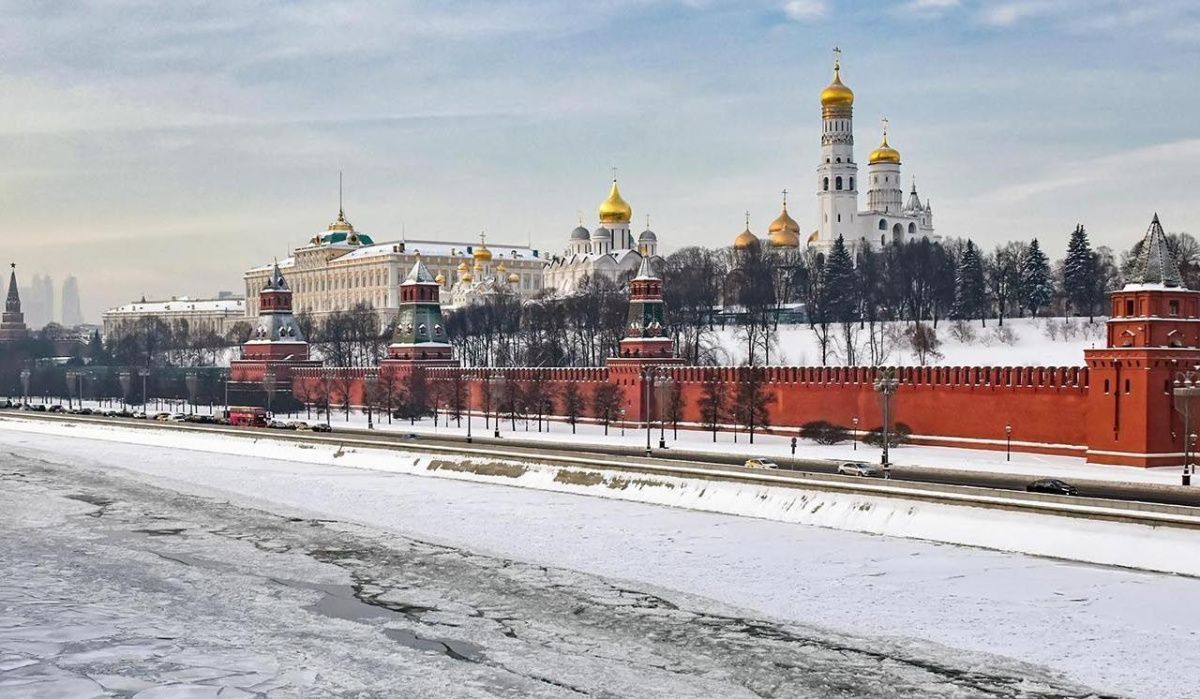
[1052, 486]
[301, 426]
[858, 468]
[177, 417]
[57, 409]
[759, 462]
[162, 417]
[321, 428]
[39, 408]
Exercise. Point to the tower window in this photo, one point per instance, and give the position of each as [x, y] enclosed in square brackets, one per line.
[1173, 308]
[1126, 386]
[1129, 307]
[839, 218]
[838, 184]
[826, 185]
[851, 183]
[882, 224]
[1106, 386]
[839, 160]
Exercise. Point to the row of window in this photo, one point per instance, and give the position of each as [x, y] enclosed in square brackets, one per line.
[837, 184]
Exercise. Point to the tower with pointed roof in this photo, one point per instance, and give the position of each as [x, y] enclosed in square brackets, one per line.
[645, 330]
[1153, 333]
[276, 336]
[420, 334]
[12, 323]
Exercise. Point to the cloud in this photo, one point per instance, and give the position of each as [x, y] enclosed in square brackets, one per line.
[926, 5]
[806, 10]
[1007, 14]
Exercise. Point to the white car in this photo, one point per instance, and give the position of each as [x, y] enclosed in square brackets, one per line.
[858, 468]
[760, 463]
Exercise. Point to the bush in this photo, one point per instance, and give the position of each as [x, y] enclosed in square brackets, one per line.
[823, 432]
[898, 435]
[963, 331]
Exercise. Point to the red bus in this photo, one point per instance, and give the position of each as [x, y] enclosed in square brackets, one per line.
[246, 416]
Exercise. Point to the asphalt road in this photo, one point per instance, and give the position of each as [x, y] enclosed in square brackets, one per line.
[1100, 489]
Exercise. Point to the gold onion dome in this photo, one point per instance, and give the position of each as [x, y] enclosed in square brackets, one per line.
[440, 279]
[466, 278]
[463, 267]
[884, 153]
[514, 278]
[836, 94]
[745, 240]
[615, 209]
[784, 232]
[482, 254]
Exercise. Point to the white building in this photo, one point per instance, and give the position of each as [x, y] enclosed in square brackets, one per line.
[609, 251]
[341, 267]
[201, 316]
[888, 217]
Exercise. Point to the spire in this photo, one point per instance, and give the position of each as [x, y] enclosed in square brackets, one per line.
[419, 274]
[13, 303]
[1155, 264]
[646, 268]
[276, 280]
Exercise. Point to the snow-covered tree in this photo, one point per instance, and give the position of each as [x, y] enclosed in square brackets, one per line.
[1080, 276]
[970, 293]
[1036, 289]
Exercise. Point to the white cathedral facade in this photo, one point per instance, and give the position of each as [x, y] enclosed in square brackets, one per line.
[888, 216]
[609, 251]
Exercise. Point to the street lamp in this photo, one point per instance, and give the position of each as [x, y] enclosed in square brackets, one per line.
[664, 387]
[621, 416]
[370, 383]
[1185, 388]
[25, 374]
[192, 381]
[854, 433]
[648, 380]
[70, 376]
[885, 385]
[468, 380]
[497, 383]
[144, 372]
[269, 387]
[126, 379]
[1008, 442]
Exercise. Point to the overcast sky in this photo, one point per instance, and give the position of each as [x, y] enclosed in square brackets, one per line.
[161, 148]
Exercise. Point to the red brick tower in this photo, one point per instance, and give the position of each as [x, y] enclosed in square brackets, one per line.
[1153, 332]
[645, 346]
[12, 325]
[276, 346]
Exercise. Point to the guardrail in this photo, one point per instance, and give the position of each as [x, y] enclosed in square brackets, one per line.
[1092, 508]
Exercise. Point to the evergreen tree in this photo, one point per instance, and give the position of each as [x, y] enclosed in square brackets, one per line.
[970, 293]
[841, 293]
[1080, 274]
[1036, 290]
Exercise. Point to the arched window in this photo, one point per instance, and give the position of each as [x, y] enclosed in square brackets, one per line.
[851, 183]
[882, 224]
[838, 159]
[837, 183]
[897, 232]
[912, 228]
[882, 240]
[826, 184]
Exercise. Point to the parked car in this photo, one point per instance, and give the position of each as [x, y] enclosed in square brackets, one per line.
[759, 462]
[321, 428]
[1052, 486]
[301, 427]
[57, 409]
[858, 468]
[162, 417]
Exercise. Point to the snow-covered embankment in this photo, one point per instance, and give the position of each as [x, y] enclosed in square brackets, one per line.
[1173, 549]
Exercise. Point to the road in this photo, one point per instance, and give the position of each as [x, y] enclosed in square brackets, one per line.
[486, 445]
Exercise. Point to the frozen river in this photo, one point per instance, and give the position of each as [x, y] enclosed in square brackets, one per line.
[139, 571]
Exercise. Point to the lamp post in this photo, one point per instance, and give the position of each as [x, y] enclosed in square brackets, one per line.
[663, 388]
[885, 385]
[144, 372]
[70, 376]
[1185, 388]
[854, 433]
[192, 381]
[648, 381]
[1008, 442]
[25, 374]
[126, 379]
[468, 379]
[370, 383]
[325, 391]
[497, 382]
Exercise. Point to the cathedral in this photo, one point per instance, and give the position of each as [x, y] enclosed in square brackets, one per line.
[888, 217]
[610, 251]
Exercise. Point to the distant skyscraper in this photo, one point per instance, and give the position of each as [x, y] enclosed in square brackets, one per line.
[72, 315]
[39, 301]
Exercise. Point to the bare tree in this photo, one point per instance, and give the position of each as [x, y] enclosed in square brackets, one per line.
[572, 404]
[606, 403]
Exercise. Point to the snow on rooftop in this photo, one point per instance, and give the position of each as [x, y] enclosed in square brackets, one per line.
[183, 303]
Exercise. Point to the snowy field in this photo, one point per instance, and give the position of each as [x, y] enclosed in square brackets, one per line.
[1032, 342]
[144, 569]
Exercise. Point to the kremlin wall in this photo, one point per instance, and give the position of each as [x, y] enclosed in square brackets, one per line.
[1115, 408]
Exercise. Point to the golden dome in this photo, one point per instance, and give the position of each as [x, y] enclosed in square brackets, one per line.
[884, 153]
[615, 209]
[466, 278]
[813, 238]
[463, 267]
[501, 269]
[482, 254]
[341, 224]
[440, 279]
[514, 278]
[745, 240]
[836, 94]
[784, 232]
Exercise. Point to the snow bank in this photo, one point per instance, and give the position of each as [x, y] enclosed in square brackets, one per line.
[1156, 548]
